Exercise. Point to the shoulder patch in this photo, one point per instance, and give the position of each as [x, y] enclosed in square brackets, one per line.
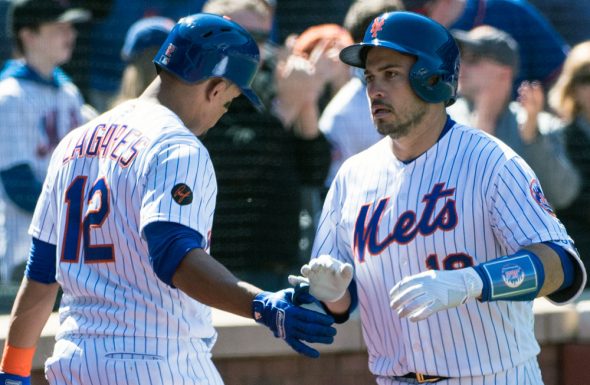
[182, 194]
[539, 197]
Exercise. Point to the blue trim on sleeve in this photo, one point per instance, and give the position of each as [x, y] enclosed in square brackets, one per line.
[566, 264]
[168, 244]
[41, 266]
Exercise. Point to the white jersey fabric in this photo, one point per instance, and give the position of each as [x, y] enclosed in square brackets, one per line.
[466, 200]
[139, 155]
[347, 124]
[35, 116]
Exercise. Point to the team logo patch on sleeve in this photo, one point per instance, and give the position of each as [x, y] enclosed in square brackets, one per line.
[182, 194]
[539, 197]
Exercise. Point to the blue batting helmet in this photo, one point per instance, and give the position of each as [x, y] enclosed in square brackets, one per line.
[434, 76]
[203, 46]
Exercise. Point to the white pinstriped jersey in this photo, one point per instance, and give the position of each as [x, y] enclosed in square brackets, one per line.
[139, 155]
[35, 116]
[466, 200]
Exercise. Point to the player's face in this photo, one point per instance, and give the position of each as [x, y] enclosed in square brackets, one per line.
[53, 42]
[394, 105]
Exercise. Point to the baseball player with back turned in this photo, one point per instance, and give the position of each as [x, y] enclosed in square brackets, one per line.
[447, 228]
[123, 226]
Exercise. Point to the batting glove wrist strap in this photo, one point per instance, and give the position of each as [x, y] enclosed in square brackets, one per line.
[13, 379]
[516, 277]
[291, 322]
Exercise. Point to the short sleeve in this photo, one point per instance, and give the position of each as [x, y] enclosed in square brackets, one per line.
[520, 213]
[180, 186]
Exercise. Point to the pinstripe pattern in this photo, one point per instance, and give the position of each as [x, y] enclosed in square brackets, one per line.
[109, 360]
[124, 298]
[482, 208]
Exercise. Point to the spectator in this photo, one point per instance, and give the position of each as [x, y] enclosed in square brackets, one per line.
[346, 121]
[570, 18]
[141, 45]
[570, 97]
[330, 38]
[38, 105]
[489, 61]
[541, 49]
[264, 160]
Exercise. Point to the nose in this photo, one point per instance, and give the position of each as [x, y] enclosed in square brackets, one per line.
[374, 90]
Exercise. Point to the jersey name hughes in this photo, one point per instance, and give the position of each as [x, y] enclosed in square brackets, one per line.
[116, 142]
[407, 226]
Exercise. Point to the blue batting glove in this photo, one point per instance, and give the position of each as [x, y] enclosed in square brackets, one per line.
[13, 379]
[291, 322]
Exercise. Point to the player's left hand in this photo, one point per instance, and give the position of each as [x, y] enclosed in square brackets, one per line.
[328, 278]
[421, 295]
[291, 322]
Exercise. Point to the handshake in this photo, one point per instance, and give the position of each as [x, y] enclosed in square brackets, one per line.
[286, 313]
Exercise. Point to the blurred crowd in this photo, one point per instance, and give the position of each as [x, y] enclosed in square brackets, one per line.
[524, 78]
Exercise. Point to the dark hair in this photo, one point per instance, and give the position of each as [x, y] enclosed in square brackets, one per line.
[362, 12]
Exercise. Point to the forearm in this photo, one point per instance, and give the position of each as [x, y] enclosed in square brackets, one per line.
[205, 279]
[32, 307]
[552, 266]
[340, 307]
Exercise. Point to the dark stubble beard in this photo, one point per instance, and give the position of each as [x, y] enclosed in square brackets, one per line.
[401, 127]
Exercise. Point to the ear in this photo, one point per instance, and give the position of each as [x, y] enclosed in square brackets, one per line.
[214, 88]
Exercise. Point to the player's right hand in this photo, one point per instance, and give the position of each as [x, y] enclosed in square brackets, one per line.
[328, 278]
[291, 322]
[13, 379]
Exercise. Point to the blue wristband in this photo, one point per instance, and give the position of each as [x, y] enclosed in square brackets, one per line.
[516, 277]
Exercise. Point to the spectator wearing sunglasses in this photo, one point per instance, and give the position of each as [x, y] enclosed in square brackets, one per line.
[489, 62]
[570, 97]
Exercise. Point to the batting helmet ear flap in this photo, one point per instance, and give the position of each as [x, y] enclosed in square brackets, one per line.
[434, 85]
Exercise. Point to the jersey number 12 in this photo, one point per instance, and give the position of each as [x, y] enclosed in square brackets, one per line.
[78, 227]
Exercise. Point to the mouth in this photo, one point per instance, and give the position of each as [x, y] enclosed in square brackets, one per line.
[380, 111]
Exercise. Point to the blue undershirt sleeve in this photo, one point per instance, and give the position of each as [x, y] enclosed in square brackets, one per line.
[41, 266]
[168, 243]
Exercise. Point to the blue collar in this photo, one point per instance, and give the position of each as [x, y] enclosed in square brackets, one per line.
[20, 70]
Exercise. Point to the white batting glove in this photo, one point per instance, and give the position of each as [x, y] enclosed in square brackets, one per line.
[328, 278]
[421, 295]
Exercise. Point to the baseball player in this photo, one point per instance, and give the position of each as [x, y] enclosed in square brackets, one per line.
[447, 228]
[123, 226]
[38, 105]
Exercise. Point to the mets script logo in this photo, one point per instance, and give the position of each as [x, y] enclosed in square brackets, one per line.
[377, 26]
[407, 226]
[182, 194]
[513, 276]
[539, 197]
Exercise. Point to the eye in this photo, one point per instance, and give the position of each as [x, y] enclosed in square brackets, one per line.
[391, 74]
[369, 78]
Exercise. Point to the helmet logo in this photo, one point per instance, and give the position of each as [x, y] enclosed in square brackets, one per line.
[377, 26]
[169, 51]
